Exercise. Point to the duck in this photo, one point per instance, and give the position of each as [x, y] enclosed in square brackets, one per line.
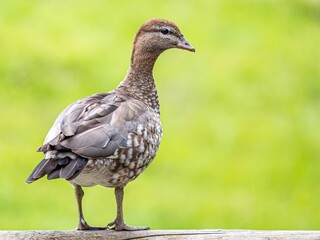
[109, 139]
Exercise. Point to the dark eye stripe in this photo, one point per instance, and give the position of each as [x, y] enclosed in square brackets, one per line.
[164, 30]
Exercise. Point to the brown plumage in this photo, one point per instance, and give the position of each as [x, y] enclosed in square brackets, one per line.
[108, 139]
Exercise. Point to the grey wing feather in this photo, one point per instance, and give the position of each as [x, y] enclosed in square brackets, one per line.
[42, 169]
[72, 170]
[96, 126]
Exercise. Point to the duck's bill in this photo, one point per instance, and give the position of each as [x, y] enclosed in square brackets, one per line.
[183, 44]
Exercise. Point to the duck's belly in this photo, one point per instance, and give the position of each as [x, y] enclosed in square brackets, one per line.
[125, 165]
[105, 172]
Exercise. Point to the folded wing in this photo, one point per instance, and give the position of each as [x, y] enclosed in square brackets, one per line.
[96, 126]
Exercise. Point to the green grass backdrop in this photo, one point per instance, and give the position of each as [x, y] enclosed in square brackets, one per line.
[241, 116]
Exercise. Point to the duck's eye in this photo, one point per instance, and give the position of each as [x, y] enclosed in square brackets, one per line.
[164, 31]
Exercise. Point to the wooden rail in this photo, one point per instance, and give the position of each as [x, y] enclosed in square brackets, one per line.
[162, 234]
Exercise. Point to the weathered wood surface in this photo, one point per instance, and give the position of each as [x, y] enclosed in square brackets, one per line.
[162, 234]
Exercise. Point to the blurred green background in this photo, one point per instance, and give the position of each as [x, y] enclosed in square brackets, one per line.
[241, 144]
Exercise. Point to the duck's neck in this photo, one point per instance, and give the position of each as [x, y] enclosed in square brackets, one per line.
[139, 82]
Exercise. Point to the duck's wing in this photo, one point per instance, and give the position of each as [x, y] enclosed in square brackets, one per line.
[96, 126]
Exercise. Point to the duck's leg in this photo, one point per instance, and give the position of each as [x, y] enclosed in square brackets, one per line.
[118, 224]
[82, 225]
